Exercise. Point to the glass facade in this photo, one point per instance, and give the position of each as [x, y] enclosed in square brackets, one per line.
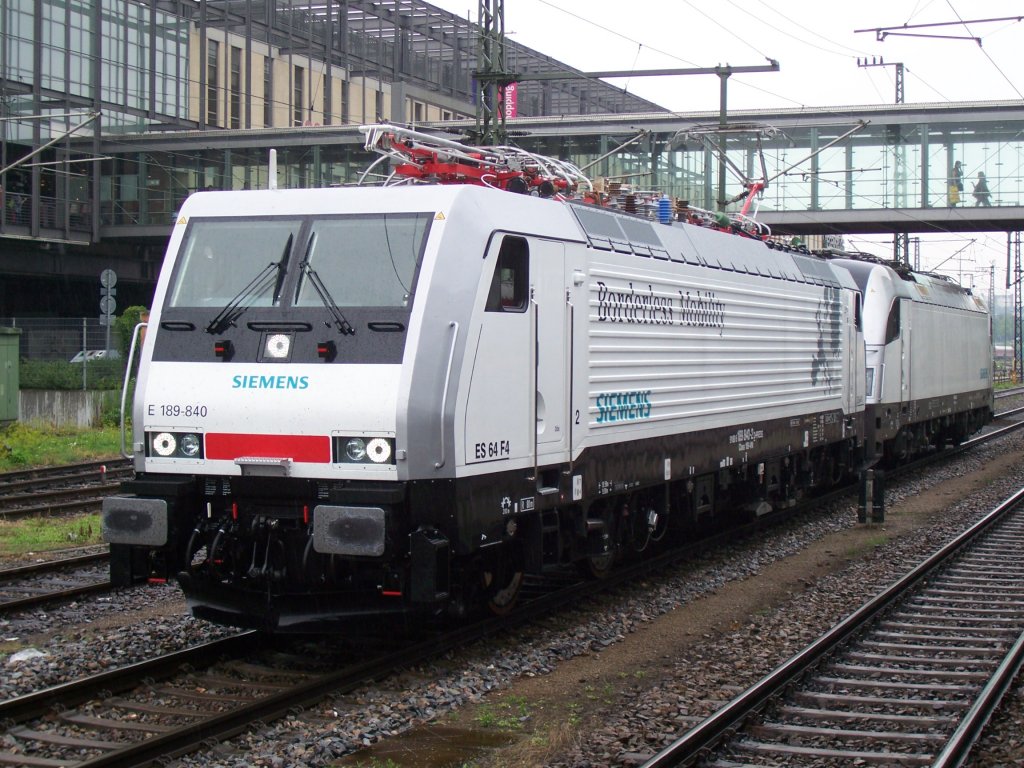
[94, 56]
[129, 30]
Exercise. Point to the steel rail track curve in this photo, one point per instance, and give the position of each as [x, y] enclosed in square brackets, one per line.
[719, 729]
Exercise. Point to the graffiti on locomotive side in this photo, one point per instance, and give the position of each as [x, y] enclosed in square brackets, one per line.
[698, 309]
[825, 363]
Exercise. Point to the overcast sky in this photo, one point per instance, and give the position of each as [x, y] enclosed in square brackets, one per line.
[817, 48]
[815, 44]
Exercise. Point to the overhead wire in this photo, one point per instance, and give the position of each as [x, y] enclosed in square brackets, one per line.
[733, 34]
[788, 33]
[985, 52]
[740, 81]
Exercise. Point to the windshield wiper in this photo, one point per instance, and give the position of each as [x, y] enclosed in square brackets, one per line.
[282, 269]
[234, 308]
[321, 290]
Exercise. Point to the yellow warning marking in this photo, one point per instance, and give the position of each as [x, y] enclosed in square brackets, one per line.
[439, 216]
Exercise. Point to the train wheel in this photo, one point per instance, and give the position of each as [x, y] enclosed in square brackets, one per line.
[502, 590]
[598, 566]
[601, 543]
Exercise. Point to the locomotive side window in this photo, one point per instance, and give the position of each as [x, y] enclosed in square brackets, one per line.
[892, 325]
[509, 291]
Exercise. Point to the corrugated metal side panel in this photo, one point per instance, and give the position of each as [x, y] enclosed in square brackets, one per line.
[691, 348]
[950, 351]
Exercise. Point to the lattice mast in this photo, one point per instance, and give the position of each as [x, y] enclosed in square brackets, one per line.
[491, 74]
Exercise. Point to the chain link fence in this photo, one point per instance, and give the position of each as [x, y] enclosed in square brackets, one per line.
[71, 340]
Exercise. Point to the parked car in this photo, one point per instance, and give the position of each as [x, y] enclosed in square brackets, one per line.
[95, 354]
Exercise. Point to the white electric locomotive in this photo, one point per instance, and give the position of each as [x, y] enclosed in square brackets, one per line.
[402, 399]
[929, 359]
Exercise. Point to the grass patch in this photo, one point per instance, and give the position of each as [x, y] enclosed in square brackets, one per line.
[867, 545]
[508, 715]
[23, 446]
[39, 534]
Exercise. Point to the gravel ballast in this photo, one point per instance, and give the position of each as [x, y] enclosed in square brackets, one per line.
[604, 685]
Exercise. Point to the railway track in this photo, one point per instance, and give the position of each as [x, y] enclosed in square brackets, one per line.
[179, 710]
[178, 703]
[1009, 392]
[22, 479]
[70, 725]
[62, 490]
[37, 585]
[910, 678]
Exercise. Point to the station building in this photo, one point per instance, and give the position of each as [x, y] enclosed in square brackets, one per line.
[78, 75]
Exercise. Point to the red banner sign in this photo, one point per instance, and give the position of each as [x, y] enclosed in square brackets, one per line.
[510, 100]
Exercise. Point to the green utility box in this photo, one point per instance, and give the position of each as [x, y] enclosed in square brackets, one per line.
[9, 382]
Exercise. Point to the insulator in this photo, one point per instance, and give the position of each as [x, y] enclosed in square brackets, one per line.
[664, 209]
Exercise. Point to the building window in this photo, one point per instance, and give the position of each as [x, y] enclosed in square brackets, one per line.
[212, 54]
[172, 41]
[268, 91]
[327, 88]
[298, 96]
[236, 88]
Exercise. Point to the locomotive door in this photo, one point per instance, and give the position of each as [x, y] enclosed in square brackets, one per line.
[517, 398]
[550, 308]
[905, 350]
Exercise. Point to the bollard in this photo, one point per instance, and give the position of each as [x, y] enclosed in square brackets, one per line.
[872, 497]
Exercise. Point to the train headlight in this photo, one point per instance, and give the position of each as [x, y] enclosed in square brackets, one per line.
[355, 449]
[164, 444]
[278, 346]
[379, 450]
[190, 445]
[364, 450]
[175, 445]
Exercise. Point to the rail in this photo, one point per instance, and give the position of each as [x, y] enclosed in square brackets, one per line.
[710, 733]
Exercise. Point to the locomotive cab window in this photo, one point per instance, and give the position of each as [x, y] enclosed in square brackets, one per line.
[363, 261]
[223, 259]
[509, 284]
